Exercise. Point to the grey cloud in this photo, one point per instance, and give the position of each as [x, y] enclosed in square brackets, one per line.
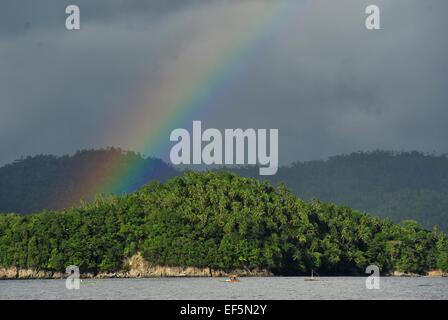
[328, 84]
[18, 17]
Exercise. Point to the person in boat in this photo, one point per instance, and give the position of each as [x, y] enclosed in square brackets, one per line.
[233, 278]
[313, 278]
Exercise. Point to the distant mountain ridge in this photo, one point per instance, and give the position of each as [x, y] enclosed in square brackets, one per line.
[400, 185]
[43, 182]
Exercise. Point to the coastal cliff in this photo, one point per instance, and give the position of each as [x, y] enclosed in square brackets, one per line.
[135, 267]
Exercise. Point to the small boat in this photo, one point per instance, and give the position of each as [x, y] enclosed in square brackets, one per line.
[88, 282]
[312, 277]
[232, 279]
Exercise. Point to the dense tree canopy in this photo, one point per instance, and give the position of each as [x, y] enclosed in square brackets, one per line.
[218, 220]
[43, 182]
[401, 186]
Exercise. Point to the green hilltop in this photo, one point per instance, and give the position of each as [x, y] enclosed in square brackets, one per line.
[398, 185]
[222, 221]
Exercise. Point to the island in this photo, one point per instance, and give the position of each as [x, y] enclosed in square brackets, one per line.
[213, 223]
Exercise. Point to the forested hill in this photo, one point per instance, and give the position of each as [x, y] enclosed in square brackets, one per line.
[48, 182]
[220, 221]
[397, 185]
[407, 185]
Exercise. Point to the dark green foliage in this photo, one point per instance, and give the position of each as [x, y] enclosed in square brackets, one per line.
[218, 220]
[399, 185]
[49, 182]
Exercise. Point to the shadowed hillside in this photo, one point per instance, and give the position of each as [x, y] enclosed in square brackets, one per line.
[389, 184]
[49, 182]
[397, 185]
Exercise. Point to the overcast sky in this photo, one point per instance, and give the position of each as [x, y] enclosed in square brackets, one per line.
[329, 85]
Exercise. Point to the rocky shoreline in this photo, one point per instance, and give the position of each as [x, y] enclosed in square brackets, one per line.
[138, 267]
[135, 267]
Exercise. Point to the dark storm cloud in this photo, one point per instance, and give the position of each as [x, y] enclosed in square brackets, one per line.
[326, 82]
[336, 87]
[20, 16]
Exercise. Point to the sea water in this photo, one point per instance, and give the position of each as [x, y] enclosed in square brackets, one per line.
[216, 288]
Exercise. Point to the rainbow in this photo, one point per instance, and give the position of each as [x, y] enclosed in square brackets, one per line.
[188, 86]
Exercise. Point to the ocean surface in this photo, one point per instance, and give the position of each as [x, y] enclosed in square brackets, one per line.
[216, 288]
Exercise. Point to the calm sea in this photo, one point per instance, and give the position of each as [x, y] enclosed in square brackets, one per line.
[216, 288]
